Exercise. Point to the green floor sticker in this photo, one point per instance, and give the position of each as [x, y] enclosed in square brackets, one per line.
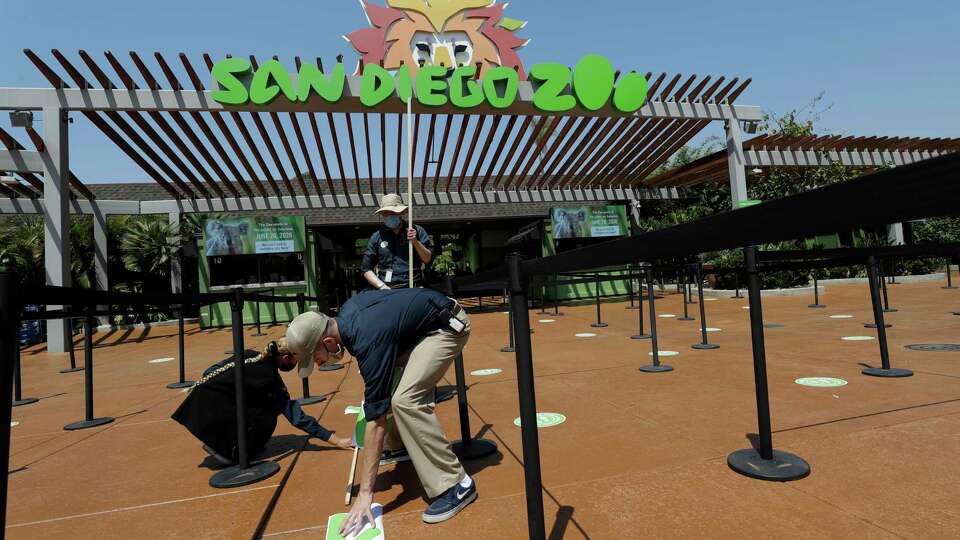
[486, 372]
[841, 316]
[858, 338]
[714, 330]
[373, 531]
[667, 316]
[587, 334]
[665, 353]
[821, 382]
[161, 360]
[547, 321]
[352, 409]
[546, 419]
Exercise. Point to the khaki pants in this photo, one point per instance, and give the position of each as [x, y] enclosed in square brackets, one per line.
[413, 410]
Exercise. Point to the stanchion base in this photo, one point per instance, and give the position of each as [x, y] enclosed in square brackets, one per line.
[950, 287]
[782, 468]
[662, 368]
[476, 449]
[71, 370]
[888, 373]
[599, 325]
[685, 319]
[179, 385]
[86, 424]
[874, 326]
[561, 314]
[692, 302]
[232, 477]
[641, 336]
[444, 395]
[816, 306]
[890, 310]
[330, 367]
[507, 349]
[303, 402]
[738, 296]
[260, 334]
[705, 346]
[24, 401]
[632, 307]
[956, 312]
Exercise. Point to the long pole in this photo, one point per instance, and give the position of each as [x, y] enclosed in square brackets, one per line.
[759, 355]
[410, 184]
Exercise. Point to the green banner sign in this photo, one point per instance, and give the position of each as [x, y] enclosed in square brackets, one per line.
[592, 85]
[254, 235]
[589, 222]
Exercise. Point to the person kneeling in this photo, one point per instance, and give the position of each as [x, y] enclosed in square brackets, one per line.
[209, 412]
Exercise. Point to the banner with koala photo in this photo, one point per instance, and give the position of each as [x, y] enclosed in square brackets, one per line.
[254, 235]
[589, 222]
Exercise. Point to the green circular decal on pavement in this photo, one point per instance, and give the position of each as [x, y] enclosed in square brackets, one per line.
[667, 316]
[665, 353]
[486, 372]
[841, 316]
[858, 338]
[714, 329]
[547, 321]
[546, 419]
[821, 382]
[585, 334]
[161, 360]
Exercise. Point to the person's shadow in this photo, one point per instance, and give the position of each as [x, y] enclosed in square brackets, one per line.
[278, 448]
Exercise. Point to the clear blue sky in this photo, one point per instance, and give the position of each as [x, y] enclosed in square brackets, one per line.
[887, 68]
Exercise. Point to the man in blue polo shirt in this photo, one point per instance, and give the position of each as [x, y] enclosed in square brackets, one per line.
[421, 331]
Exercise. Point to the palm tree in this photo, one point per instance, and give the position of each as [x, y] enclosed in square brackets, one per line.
[148, 246]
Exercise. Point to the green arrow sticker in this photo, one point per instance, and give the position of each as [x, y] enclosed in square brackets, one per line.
[546, 419]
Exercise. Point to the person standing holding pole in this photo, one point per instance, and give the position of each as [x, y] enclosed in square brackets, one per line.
[388, 263]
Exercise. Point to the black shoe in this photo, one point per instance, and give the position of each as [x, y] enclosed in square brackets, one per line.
[450, 503]
[394, 456]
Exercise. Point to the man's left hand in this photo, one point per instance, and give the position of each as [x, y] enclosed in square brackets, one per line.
[411, 234]
[359, 513]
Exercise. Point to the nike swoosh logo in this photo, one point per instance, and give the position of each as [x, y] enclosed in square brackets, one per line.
[461, 495]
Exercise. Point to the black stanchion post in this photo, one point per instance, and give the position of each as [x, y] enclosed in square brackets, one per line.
[556, 297]
[885, 370]
[9, 344]
[467, 447]
[656, 367]
[883, 287]
[72, 354]
[304, 381]
[181, 348]
[686, 314]
[599, 323]
[816, 293]
[543, 300]
[630, 294]
[256, 316]
[736, 279]
[18, 399]
[763, 462]
[273, 309]
[528, 402]
[243, 473]
[949, 278]
[510, 330]
[89, 421]
[640, 333]
[703, 345]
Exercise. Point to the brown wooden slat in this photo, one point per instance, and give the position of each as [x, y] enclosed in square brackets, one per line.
[400, 147]
[507, 132]
[523, 181]
[524, 126]
[353, 151]
[426, 154]
[117, 119]
[222, 126]
[448, 119]
[524, 152]
[597, 132]
[559, 142]
[486, 149]
[464, 126]
[469, 157]
[589, 126]
[414, 150]
[271, 148]
[75, 182]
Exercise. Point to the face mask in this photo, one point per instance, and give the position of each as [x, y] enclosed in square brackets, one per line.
[392, 222]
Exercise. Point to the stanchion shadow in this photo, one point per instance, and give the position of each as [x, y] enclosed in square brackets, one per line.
[754, 439]
[564, 516]
[278, 448]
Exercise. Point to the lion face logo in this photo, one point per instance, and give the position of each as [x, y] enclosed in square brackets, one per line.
[447, 33]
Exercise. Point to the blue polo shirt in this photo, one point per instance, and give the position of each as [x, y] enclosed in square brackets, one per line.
[376, 327]
[388, 250]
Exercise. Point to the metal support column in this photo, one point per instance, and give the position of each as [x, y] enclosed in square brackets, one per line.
[56, 216]
[736, 162]
[100, 257]
[176, 273]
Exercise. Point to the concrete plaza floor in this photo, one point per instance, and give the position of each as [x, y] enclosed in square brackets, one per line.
[640, 455]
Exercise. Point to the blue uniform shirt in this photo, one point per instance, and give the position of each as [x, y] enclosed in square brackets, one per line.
[376, 327]
[388, 251]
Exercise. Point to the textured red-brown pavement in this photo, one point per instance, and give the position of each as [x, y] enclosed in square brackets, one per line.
[640, 455]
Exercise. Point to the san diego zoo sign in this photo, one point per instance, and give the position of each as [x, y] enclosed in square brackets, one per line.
[460, 53]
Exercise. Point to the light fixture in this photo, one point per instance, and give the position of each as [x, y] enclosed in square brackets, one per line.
[23, 119]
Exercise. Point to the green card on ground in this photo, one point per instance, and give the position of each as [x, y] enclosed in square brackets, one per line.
[370, 531]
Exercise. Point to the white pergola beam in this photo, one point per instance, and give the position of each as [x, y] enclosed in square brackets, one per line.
[21, 161]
